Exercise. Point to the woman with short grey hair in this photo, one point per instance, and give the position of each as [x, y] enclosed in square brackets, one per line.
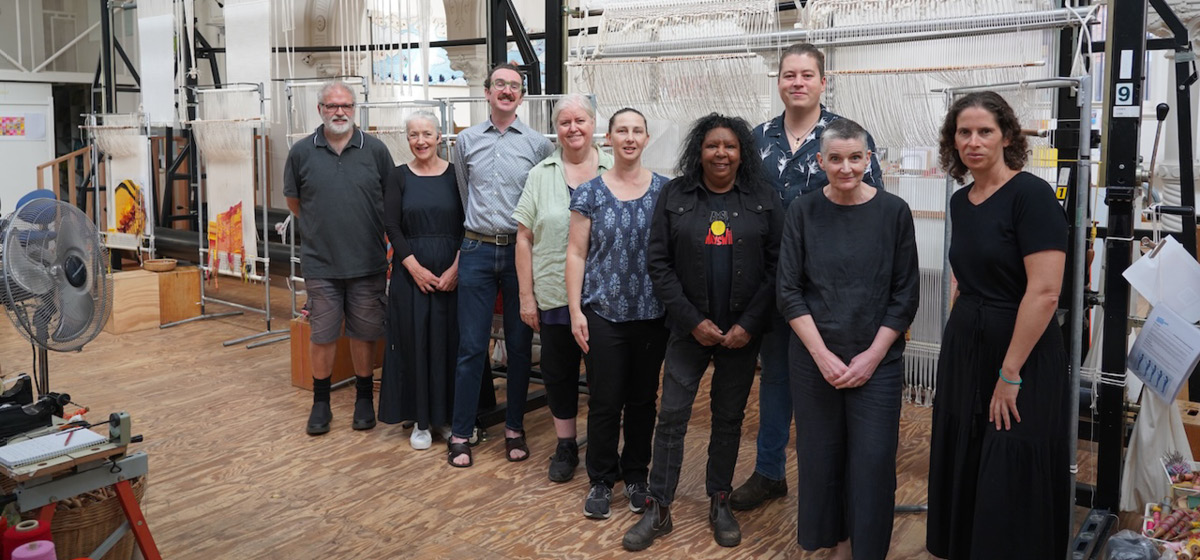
[543, 215]
[848, 287]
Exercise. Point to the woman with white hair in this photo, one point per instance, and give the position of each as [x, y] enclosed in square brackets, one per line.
[543, 216]
[423, 213]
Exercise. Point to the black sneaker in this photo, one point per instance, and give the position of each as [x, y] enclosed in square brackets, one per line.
[318, 419]
[564, 461]
[725, 527]
[655, 523]
[364, 414]
[597, 502]
[638, 494]
[756, 490]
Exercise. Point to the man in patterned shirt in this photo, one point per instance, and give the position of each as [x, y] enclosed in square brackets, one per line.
[788, 145]
[492, 160]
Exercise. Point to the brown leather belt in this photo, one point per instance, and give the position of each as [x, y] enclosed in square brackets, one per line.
[498, 240]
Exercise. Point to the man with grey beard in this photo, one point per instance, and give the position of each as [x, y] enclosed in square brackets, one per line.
[333, 181]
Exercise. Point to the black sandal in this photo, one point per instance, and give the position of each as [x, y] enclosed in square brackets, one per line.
[456, 450]
[515, 444]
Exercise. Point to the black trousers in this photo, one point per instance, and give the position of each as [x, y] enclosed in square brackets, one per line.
[846, 443]
[733, 374]
[560, 370]
[623, 366]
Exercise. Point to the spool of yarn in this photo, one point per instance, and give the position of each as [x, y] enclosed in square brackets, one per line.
[21, 533]
[36, 550]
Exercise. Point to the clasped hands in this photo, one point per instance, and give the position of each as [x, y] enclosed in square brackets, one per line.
[708, 334]
[429, 282]
[847, 376]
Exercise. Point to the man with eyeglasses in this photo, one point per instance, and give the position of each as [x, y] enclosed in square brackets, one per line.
[333, 180]
[492, 160]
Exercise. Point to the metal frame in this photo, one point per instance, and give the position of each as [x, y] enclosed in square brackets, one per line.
[852, 35]
[437, 105]
[95, 121]
[449, 135]
[264, 259]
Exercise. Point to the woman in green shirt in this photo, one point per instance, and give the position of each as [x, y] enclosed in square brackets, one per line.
[543, 217]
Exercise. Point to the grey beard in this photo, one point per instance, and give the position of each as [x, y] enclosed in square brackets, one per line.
[340, 128]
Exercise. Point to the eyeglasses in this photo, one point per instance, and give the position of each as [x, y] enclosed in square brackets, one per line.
[333, 107]
[504, 84]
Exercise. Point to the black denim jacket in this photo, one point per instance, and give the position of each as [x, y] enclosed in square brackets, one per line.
[676, 254]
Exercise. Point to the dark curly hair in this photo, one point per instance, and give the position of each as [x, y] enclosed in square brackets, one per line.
[1015, 153]
[749, 171]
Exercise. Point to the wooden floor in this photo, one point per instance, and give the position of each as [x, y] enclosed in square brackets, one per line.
[232, 474]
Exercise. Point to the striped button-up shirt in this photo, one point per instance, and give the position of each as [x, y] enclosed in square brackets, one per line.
[491, 170]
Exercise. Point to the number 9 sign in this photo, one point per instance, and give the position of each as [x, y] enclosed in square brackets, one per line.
[1123, 94]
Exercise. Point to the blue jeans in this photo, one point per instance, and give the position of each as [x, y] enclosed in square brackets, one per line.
[483, 269]
[774, 403]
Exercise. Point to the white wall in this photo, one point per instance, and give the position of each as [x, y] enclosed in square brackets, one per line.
[19, 155]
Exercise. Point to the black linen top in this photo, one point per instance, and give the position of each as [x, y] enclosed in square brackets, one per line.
[853, 268]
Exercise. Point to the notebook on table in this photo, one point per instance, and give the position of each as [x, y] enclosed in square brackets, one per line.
[46, 447]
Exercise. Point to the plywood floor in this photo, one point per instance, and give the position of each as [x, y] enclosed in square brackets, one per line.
[232, 474]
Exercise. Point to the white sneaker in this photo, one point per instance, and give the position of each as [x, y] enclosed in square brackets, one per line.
[420, 439]
[447, 432]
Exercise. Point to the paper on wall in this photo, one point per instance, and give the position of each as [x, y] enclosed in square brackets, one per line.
[35, 126]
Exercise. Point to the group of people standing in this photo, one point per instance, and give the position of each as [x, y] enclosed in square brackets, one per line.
[774, 244]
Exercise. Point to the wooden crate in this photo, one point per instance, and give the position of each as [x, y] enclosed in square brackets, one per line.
[134, 303]
[178, 294]
[343, 367]
[1189, 412]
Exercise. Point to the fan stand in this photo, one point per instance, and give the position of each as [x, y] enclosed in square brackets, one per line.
[42, 376]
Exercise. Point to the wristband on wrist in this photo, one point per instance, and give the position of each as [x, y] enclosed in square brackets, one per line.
[1006, 380]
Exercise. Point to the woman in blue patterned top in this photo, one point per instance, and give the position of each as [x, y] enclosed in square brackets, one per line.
[615, 316]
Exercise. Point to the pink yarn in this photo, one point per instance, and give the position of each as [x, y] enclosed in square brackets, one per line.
[36, 550]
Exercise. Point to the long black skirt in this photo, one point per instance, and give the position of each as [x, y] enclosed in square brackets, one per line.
[422, 344]
[994, 493]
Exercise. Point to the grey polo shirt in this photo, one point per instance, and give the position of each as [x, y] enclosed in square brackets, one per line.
[491, 169]
[341, 204]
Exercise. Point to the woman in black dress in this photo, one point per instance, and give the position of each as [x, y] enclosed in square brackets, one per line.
[999, 483]
[424, 218]
[849, 284]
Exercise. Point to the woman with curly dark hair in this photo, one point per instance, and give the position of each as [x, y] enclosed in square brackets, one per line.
[999, 484]
[714, 241]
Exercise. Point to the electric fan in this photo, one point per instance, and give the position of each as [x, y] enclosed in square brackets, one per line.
[53, 278]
